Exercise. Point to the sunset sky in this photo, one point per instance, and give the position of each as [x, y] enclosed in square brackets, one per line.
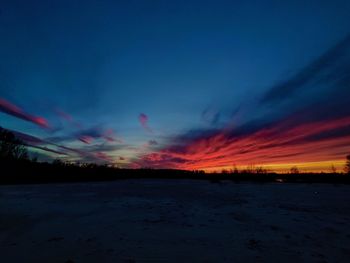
[178, 84]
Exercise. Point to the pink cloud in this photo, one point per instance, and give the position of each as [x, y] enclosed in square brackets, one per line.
[67, 117]
[64, 115]
[17, 112]
[143, 119]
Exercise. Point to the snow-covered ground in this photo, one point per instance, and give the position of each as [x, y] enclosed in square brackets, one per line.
[175, 221]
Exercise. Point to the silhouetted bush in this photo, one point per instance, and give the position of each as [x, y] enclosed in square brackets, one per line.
[347, 165]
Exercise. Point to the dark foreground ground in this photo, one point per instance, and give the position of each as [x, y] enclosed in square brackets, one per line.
[175, 221]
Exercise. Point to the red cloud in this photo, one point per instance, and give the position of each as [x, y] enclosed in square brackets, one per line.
[17, 112]
[308, 142]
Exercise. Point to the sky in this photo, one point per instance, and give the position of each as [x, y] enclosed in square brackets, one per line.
[178, 84]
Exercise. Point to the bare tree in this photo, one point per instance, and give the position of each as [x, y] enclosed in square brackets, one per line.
[11, 147]
[294, 170]
[235, 169]
[250, 169]
[333, 169]
[260, 170]
[224, 171]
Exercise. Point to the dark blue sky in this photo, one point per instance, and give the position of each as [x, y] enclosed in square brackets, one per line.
[185, 65]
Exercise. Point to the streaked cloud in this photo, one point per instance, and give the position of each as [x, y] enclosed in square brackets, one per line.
[89, 135]
[13, 110]
[303, 119]
[275, 144]
[330, 69]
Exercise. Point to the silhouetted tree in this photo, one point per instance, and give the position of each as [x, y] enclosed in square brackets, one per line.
[347, 165]
[235, 169]
[11, 147]
[250, 169]
[260, 170]
[57, 162]
[333, 169]
[294, 170]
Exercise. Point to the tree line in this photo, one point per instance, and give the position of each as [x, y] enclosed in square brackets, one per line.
[17, 167]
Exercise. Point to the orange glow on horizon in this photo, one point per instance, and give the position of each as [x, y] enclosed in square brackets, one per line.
[312, 167]
[276, 148]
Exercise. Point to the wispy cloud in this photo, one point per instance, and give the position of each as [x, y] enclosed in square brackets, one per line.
[103, 156]
[210, 116]
[89, 135]
[67, 117]
[13, 110]
[46, 149]
[313, 127]
[85, 139]
[152, 142]
[93, 153]
[35, 142]
[143, 119]
[86, 135]
[331, 69]
[55, 144]
[275, 144]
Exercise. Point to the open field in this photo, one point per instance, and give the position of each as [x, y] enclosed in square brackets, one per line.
[154, 220]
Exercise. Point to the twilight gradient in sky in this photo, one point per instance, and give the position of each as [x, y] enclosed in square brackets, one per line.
[178, 84]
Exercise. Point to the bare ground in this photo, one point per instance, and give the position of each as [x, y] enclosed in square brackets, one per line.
[173, 221]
